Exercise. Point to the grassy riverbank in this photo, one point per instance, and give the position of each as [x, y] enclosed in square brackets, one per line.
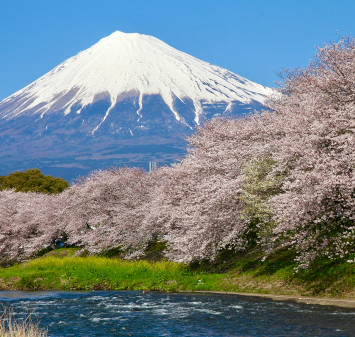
[60, 270]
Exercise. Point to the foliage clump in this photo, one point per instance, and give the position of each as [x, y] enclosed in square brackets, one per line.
[33, 180]
[257, 189]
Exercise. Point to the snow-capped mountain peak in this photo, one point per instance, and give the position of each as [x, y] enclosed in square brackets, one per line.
[133, 64]
[127, 100]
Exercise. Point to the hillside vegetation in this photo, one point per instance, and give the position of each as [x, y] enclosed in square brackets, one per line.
[61, 270]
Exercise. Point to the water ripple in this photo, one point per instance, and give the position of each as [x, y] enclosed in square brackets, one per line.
[136, 314]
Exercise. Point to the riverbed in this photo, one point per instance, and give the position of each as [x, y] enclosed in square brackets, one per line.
[133, 313]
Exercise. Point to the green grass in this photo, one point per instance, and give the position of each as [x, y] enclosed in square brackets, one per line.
[98, 273]
[61, 270]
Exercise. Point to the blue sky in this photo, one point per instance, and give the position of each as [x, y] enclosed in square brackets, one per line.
[253, 38]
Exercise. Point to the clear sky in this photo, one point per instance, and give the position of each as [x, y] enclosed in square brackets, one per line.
[253, 38]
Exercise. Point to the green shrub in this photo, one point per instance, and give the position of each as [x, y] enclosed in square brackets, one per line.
[33, 180]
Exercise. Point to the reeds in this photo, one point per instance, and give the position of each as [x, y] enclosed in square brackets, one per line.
[9, 327]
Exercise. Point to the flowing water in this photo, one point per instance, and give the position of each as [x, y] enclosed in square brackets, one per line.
[132, 313]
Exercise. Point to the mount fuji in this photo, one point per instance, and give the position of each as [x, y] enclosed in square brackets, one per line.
[127, 100]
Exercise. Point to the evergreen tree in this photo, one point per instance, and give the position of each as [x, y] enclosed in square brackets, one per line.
[32, 180]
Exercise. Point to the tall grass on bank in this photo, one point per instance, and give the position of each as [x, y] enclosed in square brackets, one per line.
[60, 270]
[99, 273]
[24, 328]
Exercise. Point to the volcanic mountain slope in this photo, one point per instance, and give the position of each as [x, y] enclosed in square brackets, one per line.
[127, 100]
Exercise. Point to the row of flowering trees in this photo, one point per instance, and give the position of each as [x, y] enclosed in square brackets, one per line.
[283, 177]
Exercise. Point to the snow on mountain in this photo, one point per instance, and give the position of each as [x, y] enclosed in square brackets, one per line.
[138, 64]
[125, 86]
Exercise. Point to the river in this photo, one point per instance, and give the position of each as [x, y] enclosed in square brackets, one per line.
[132, 313]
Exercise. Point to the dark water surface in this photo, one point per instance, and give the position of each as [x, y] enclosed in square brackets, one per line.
[131, 313]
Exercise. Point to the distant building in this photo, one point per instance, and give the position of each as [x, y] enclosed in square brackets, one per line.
[152, 165]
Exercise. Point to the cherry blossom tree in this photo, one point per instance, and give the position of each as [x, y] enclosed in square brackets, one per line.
[27, 223]
[106, 210]
[317, 114]
[210, 200]
[197, 205]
